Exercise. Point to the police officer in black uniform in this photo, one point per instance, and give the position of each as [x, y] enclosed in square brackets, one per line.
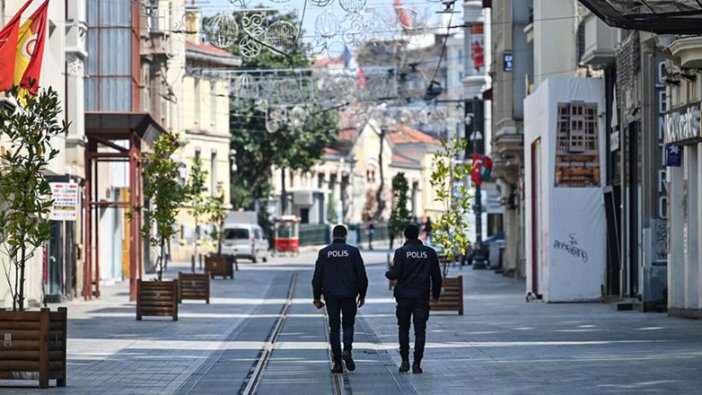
[415, 267]
[340, 276]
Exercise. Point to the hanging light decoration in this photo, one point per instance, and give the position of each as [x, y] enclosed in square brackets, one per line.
[281, 35]
[249, 48]
[254, 25]
[352, 6]
[321, 3]
[354, 29]
[298, 116]
[327, 24]
[221, 31]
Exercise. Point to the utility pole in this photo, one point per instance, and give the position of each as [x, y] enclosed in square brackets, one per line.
[283, 194]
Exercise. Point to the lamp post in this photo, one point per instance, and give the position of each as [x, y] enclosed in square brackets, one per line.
[474, 120]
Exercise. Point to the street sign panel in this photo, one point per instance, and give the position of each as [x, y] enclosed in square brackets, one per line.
[65, 201]
[673, 154]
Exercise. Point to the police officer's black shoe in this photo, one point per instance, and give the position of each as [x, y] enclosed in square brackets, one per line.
[404, 366]
[416, 368]
[337, 367]
[348, 360]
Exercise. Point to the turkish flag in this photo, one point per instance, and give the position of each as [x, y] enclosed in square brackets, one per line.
[30, 50]
[477, 169]
[8, 47]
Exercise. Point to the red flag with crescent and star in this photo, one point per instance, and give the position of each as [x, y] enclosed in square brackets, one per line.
[8, 49]
[30, 51]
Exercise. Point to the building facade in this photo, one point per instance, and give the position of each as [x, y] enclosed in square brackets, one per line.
[199, 113]
[63, 71]
[511, 70]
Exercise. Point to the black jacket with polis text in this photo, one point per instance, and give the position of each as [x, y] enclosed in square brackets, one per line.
[339, 272]
[416, 269]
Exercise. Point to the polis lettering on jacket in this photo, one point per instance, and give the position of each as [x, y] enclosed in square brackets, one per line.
[337, 254]
[417, 255]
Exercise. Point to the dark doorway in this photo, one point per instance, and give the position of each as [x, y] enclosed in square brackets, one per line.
[612, 200]
[54, 264]
[633, 165]
[305, 215]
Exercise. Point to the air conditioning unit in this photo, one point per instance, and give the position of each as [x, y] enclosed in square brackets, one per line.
[303, 198]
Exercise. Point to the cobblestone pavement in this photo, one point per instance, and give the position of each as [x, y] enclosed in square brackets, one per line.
[501, 345]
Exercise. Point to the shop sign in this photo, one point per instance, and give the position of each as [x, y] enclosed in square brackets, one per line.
[65, 201]
[683, 124]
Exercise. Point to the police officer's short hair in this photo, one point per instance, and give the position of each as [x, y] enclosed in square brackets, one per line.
[339, 232]
[412, 232]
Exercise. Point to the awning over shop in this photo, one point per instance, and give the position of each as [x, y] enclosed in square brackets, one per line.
[121, 125]
[658, 16]
[106, 134]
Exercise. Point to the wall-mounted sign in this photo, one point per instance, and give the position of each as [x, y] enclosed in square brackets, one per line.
[508, 62]
[673, 155]
[682, 124]
[477, 50]
[65, 201]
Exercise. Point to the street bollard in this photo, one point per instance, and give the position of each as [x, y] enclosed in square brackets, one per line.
[192, 263]
[200, 257]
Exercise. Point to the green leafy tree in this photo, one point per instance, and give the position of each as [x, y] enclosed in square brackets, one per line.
[24, 190]
[197, 199]
[400, 215]
[450, 182]
[217, 210]
[165, 195]
[289, 148]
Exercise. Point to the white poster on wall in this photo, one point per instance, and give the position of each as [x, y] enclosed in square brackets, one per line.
[65, 201]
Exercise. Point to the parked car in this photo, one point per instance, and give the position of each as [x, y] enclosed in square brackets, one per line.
[245, 241]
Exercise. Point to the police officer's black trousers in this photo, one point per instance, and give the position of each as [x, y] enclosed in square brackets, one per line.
[336, 309]
[416, 311]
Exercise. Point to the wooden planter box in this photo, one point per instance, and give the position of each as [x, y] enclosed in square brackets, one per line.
[157, 299]
[194, 286]
[220, 265]
[33, 346]
[451, 295]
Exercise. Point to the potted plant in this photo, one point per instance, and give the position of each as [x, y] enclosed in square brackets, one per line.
[450, 182]
[219, 264]
[400, 216]
[196, 285]
[165, 195]
[25, 227]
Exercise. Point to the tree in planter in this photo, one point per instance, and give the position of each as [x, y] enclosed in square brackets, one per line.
[452, 189]
[217, 210]
[198, 202]
[24, 190]
[165, 194]
[400, 216]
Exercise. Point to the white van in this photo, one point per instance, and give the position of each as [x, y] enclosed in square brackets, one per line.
[245, 241]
